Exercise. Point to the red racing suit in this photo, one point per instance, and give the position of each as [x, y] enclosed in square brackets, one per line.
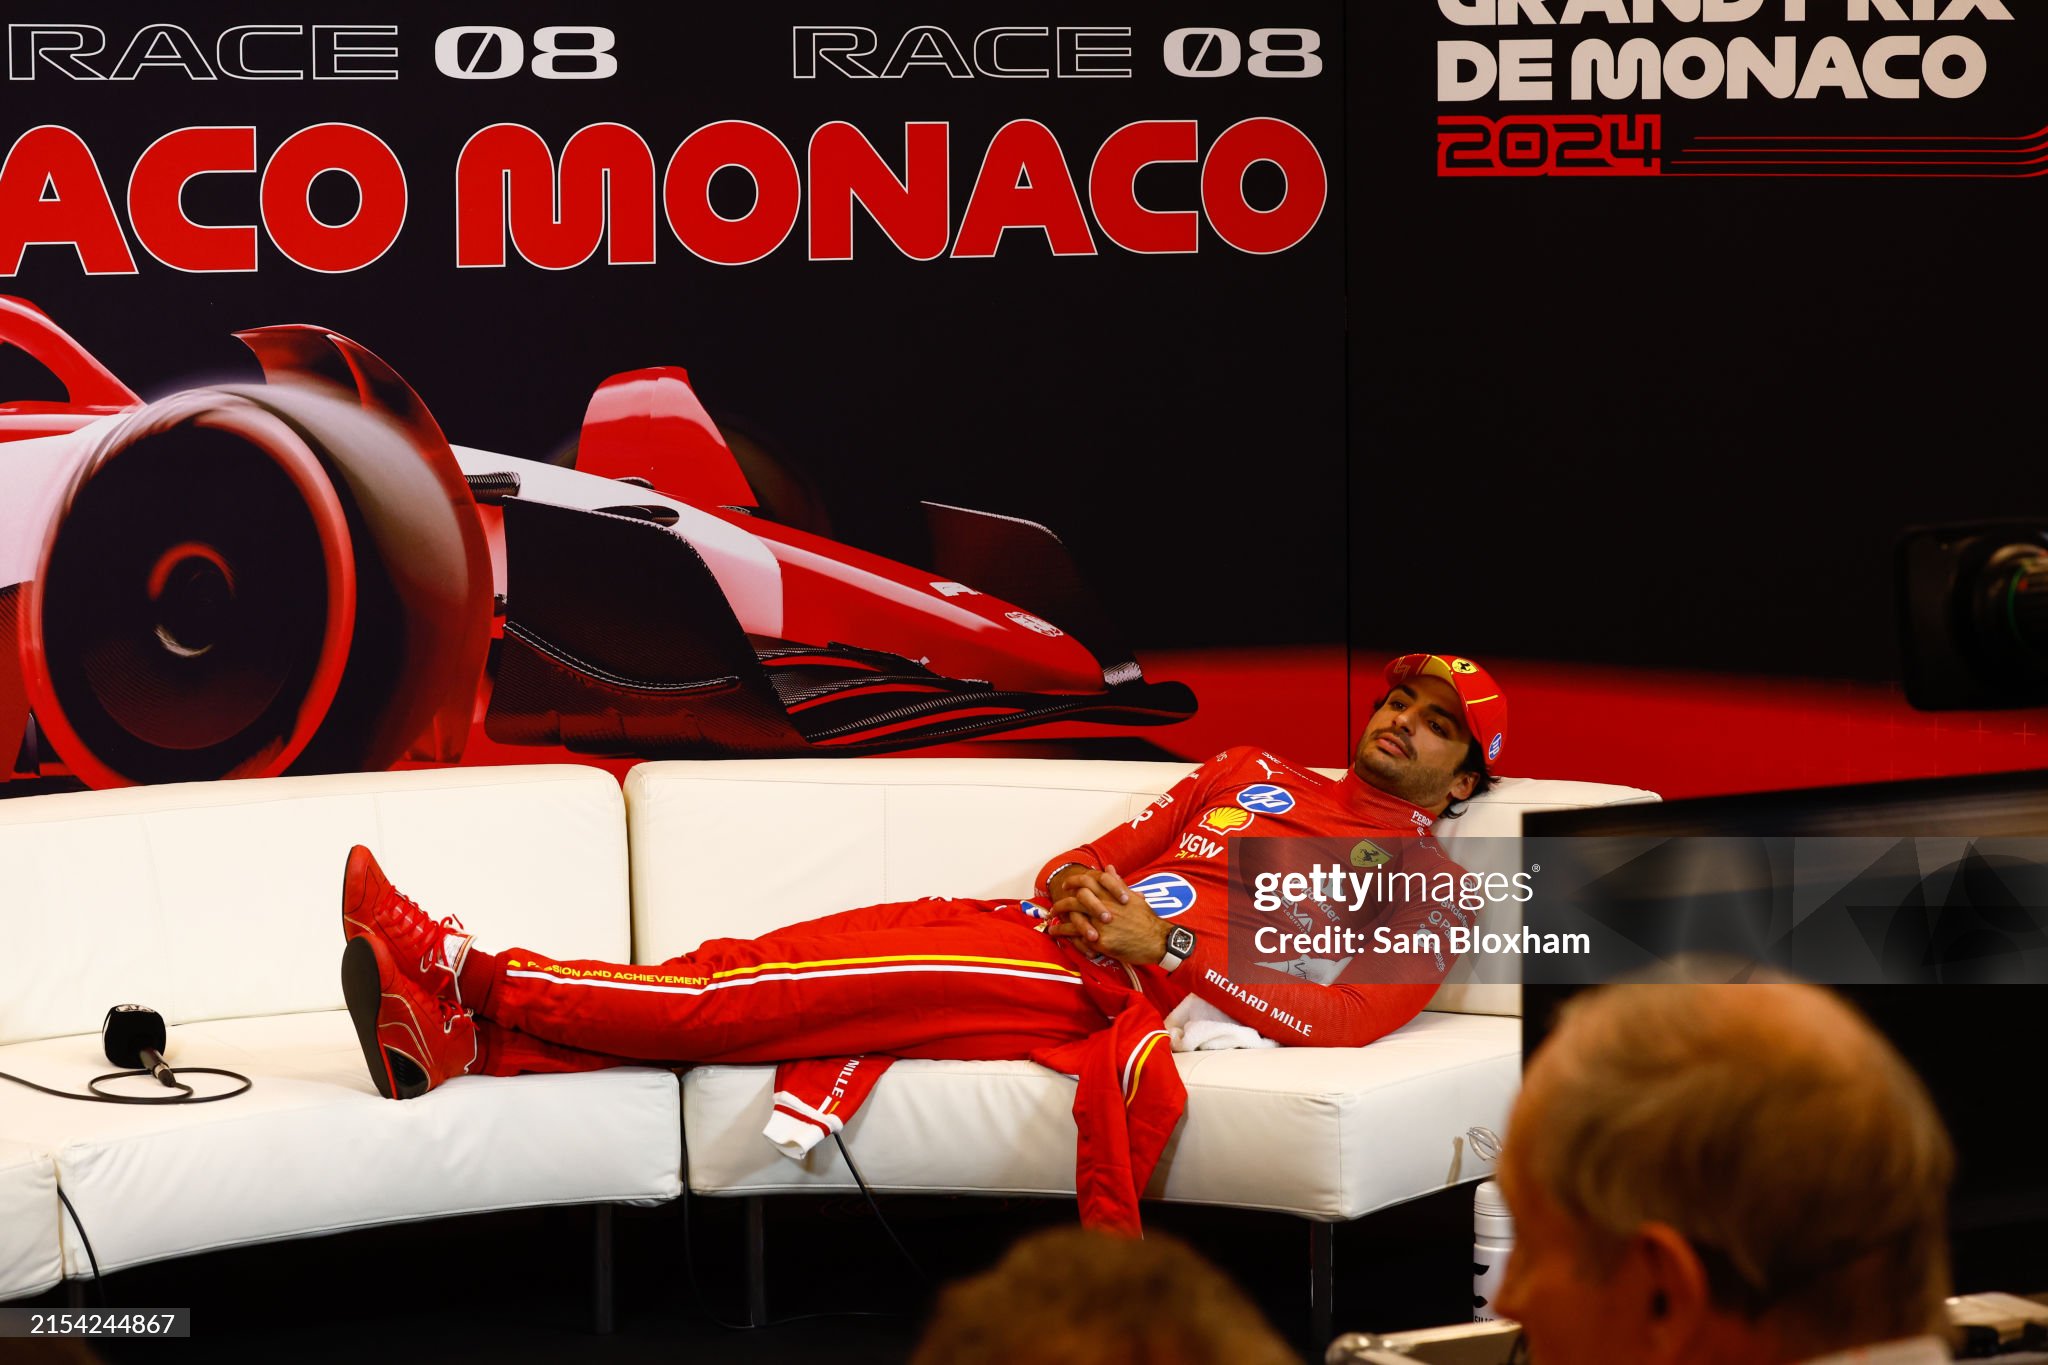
[835, 999]
[1175, 852]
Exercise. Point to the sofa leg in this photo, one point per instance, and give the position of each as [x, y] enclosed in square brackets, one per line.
[757, 1262]
[603, 1315]
[1322, 1282]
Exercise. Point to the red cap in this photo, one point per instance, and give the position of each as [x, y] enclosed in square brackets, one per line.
[1485, 708]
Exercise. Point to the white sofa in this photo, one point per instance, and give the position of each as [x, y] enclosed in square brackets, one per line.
[735, 848]
[217, 904]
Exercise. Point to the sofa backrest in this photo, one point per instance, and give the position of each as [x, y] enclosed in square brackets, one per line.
[214, 900]
[1485, 839]
[734, 848]
[729, 849]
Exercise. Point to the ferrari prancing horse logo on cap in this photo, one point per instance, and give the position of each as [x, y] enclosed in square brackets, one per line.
[1463, 666]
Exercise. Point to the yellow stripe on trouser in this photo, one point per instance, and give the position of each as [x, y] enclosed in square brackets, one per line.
[623, 978]
[1138, 1071]
[901, 957]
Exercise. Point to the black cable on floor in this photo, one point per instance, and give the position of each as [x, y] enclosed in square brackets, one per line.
[909, 1259]
[704, 1303]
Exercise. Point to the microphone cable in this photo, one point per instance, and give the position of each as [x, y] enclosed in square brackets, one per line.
[88, 1246]
[704, 1302]
[186, 1095]
[847, 1157]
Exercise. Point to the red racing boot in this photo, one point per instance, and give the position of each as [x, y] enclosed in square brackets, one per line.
[412, 1040]
[428, 952]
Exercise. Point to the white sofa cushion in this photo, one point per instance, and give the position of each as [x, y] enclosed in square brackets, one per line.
[219, 900]
[31, 1255]
[1327, 1133]
[217, 904]
[313, 1148]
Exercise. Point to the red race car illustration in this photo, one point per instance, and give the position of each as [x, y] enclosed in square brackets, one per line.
[303, 575]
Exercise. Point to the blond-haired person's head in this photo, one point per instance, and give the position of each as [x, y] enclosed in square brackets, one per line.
[1722, 1173]
[1087, 1298]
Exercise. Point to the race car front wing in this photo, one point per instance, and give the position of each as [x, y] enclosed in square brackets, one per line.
[618, 639]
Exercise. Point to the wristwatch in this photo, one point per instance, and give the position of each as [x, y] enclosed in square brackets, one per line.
[1180, 945]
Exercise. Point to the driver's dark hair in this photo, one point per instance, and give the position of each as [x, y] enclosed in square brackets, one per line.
[1475, 763]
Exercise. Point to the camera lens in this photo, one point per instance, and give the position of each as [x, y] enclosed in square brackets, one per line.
[1973, 614]
[2010, 602]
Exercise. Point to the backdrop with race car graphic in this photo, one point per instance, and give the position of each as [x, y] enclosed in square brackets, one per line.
[767, 286]
[1065, 380]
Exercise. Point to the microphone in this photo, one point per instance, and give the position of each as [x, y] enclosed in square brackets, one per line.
[133, 1036]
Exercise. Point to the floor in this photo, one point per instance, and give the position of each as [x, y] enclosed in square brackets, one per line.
[516, 1286]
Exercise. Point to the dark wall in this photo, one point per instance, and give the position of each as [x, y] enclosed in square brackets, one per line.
[1679, 421]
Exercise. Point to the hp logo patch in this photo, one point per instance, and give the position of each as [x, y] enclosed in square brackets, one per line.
[1167, 894]
[1264, 796]
[1493, 749]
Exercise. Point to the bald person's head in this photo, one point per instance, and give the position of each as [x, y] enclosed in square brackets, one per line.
[1761, 1142]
